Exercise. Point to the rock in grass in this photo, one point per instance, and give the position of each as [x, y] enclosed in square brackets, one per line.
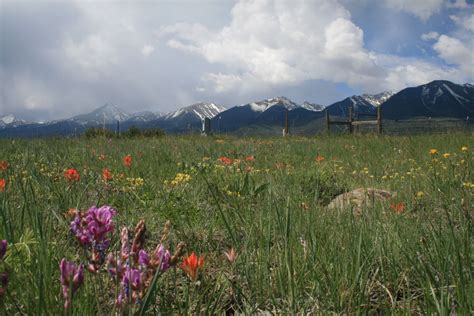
[360, 198]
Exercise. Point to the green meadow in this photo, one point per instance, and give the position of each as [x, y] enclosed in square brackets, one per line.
[264, 197]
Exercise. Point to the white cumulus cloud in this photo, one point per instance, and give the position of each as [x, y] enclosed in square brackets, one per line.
[285, 43]
[423, 9]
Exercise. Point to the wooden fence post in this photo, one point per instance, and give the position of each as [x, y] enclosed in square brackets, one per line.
[350, 120]
[118, 129]
[206, 127]
[286, 130]
[327, 121]
[379, 119]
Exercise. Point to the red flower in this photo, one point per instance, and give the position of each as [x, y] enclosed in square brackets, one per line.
[225, 160]
[127, 161]
[319, 158]
[72, 174]
[191, 264]
[250, 158]
[106, 175]
[3, 165]
[398, 207]
[2, 185]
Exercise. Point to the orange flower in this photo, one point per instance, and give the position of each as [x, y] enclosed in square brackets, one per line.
[191, 264]
[225, 160]
[72, 174]
[398, 207]
[106, 175]
[127, 161]
[70, 212]
[3, 165]
[250, 158]
[319, 158]
[2, 185]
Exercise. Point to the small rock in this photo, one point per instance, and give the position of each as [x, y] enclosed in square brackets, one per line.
[360, 198]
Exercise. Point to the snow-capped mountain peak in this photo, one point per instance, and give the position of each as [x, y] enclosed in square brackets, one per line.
[7, 119]
[377, 99]
[108, 113]
[201, 110]
[262, 106]
[10, 120]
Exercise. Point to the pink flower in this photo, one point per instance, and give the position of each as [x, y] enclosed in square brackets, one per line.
[231, 255]
[72, 277]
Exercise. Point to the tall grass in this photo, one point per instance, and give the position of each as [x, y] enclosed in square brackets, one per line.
[294, 255]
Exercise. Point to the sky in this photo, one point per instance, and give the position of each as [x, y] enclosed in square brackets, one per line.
[63, 58]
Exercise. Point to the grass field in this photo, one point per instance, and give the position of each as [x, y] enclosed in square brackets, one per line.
[264, 197]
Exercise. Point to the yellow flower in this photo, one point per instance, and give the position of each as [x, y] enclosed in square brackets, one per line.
[464, 149]
[420, 194]
[446, 155]
[433, 151]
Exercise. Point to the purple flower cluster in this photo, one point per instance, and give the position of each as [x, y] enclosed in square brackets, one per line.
[3, 275]
[91, 229]
[72, 277]
[135, 274]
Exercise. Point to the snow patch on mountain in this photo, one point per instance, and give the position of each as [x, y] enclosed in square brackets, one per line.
[201, 110]
[377, 99]
[312, 106]
[262, 106]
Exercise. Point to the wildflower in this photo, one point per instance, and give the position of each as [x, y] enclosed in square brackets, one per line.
[398, 207]
[3, 248]
[132, 280]
[3, 165]
[464, 149]
[420, 194]
[72, 175]
[191, 264]
[2, 185]
[446, 155]
[231, 255]
[72, 277]
[250, 158]
[161, 258]
[102, 157]
[127, 161]
[106, 174]
[143, 258]
[225, 160]
[70, 212]
[91, 229]
[125, 249]
[139, 238]
[320, 158]
[433, 152]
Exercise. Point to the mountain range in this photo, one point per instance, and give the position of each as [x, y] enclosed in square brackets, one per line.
[435, 99]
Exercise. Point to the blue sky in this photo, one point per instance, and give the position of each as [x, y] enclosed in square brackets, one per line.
[63, 58]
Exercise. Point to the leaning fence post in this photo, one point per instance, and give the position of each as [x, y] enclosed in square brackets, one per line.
[379, 119]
